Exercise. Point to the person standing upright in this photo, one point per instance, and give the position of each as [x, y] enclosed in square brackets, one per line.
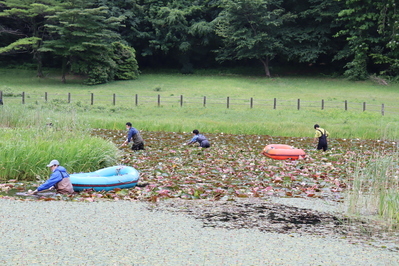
[321, 135]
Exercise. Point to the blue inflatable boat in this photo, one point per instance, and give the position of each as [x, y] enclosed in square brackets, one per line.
[106, 179]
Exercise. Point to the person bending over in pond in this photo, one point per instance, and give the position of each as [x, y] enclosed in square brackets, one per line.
[322, 135]
[59, 179]
[201, 139]
[133, 134]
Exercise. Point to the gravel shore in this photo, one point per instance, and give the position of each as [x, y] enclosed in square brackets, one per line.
[129, 233]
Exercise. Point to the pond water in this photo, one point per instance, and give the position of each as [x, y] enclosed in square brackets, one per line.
[20, 189]
[234, 167]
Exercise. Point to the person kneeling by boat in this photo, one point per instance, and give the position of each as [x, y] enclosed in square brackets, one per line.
[59, 179]
[201, 139]
[133, 134]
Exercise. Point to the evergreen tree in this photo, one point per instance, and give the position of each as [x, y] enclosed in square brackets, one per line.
[27, 30]
[169, 32]
[82, 37]
[126, 63]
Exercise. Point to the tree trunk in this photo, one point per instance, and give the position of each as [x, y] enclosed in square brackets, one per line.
[64, 63]
[266, 66]
[38, 57]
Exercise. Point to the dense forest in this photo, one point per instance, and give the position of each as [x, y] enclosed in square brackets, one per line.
[110, 39]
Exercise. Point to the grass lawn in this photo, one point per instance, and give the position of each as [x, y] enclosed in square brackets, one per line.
[235, 86]
[239, 118]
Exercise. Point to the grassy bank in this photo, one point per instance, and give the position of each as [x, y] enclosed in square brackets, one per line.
[285, 120]
[24, 153]
[341, 124]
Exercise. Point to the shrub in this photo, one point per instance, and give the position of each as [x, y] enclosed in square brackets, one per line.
[126, 63]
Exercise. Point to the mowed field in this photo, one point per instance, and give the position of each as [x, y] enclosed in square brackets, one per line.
[281, 106]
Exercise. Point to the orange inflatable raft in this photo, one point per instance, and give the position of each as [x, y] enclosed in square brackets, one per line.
[283, 152]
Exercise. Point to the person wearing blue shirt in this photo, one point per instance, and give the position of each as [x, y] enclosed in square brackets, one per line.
[133, 134]
[58, 179]
[201, 139]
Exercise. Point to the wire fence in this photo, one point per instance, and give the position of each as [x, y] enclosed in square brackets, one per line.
[181, 101]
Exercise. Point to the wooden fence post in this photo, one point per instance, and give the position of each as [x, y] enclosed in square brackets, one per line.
[251, 101]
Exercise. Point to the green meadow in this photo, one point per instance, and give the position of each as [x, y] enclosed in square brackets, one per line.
[215, 117]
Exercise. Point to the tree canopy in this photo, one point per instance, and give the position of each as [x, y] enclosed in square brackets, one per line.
[371, 29]
[24, 25]
[249, 29]
[82, 36]
[108, 39]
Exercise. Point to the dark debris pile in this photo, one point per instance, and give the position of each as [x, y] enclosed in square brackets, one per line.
[266, 216]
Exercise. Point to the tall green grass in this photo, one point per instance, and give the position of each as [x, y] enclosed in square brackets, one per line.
[62, 117]
[238, 119]
[24, 153]
[375, 189]
[288, 123]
